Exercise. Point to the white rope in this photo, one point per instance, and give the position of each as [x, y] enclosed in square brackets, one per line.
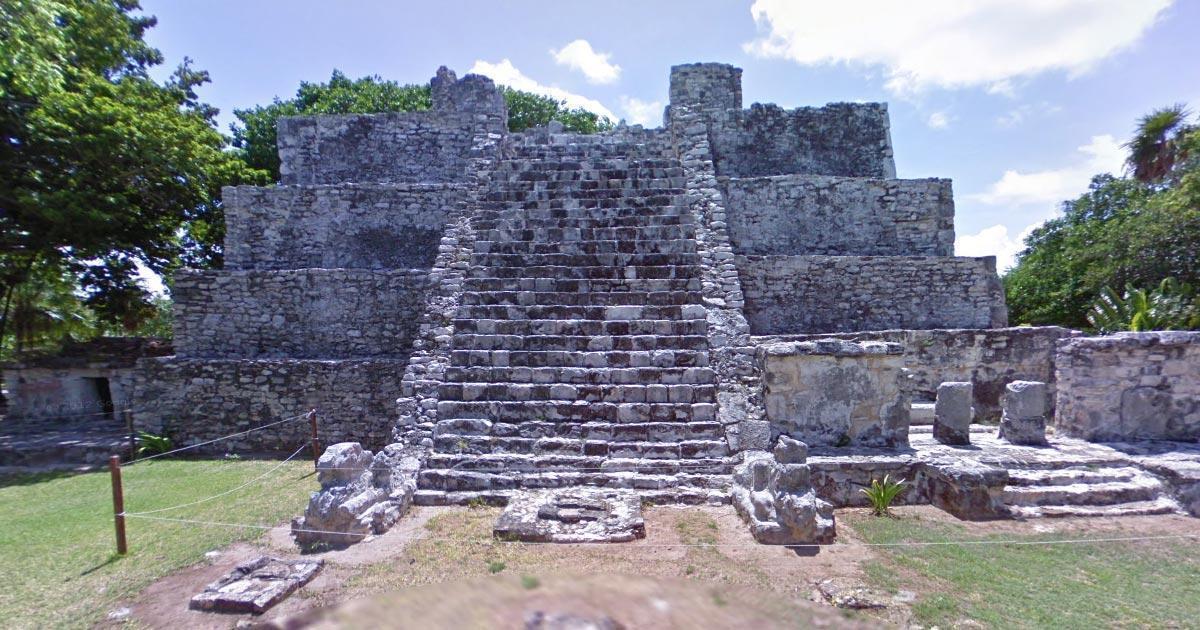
[226, 437]
[1084, 541]
[226, 493]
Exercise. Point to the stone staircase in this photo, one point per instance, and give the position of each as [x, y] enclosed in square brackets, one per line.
[580, 354]
[1117, 490]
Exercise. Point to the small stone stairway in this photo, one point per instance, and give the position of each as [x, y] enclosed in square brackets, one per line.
[580, 354]
[1115, 490]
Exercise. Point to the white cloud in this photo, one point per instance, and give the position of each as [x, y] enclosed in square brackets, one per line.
[505, 73]
[952, 43]
[1020, 113]
[1102, 155]
[639, 112]
[994, 241]
[938, 120]
[579, 55]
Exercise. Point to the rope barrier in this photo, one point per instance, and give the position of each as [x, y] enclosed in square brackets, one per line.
[1068, 541]
[227, 492]
[226, 437]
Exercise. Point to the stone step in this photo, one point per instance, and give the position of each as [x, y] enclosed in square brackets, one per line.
[582, 156]
[1071, 476]
[585, 164]
[1161, 505]
[582, 376]
[586, 272]
[577, 327]
[464, 445]
[1142, 488]
[459, 481]
[631, 246]
[591, 179]
[576, 411]
[541, 206]
[590, 359]
[561, 235]
[685, 393]
[496, 221]
[921, 413]
[518, 192]
[585, 260]
[675, 312]
[679, 495]
[575, 298]
[580, 343]
[608, 431]
[557, 285]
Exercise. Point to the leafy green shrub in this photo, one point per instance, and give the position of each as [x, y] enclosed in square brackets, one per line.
[496, 566]
[1171, 306]
[151, 444]
[882, 493]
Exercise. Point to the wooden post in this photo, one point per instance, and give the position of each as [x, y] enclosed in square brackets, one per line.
[316, 444]
[114, 469]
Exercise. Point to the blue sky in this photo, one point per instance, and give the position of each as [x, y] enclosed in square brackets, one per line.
[1018, 101]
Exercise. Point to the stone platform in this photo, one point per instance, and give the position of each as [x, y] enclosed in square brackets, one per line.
[67, 446]
[572, 515]
[1067, 477]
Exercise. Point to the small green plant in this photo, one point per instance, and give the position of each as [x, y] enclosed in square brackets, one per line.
[496, 566]
[151, 444]
[530, 582]
[882, 492]
[475, 503]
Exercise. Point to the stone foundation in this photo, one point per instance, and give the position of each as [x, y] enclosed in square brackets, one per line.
[1130, 386]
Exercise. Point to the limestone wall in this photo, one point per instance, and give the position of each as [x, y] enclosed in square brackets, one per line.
[372, 226]
[988, 358]
[61, 396]
[840, 216]
[817, 294]
[304, 313]
[836, 393]
[847, 139]
[1130, 386]
[196, 400]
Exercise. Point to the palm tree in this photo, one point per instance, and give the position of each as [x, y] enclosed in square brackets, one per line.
[1171, 306]
[1155, 148]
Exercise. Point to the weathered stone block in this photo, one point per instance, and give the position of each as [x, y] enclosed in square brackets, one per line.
[1024, 408]
[953, 412]
[257, 585]
[572, 515]
[777, 499]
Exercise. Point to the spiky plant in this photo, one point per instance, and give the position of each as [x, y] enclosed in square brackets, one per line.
[882, 492]
[1170, 306]
[1155, 148]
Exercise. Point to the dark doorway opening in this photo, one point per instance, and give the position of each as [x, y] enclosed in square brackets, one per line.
[104, 397]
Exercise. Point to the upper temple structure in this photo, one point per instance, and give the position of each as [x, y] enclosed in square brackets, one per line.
[639, 309]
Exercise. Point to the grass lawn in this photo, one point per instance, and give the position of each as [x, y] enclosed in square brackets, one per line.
[1117, 584]
[57, 549]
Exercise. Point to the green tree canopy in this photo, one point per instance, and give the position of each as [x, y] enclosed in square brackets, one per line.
[1131, 232]
[102, 169]
[254, 133]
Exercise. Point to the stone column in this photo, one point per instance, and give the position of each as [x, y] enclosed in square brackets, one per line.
[952, 413]
[1023, 419]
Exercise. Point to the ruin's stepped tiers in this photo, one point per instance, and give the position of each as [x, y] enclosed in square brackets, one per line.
[544, 301]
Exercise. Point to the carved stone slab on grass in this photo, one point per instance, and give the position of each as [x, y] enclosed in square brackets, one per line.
[572, 515]
[257, 585]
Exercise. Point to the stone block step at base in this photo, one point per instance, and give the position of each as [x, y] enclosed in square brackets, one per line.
[585, 260]
[580, 327]
[586, 248]
[550, 167]
[593, 221]
[556, 462]
[653, 393]
[1161, 505]
[591, 359]
[579, 343]
[1072, 476]
[580, 156]
[460, 480]
[464, 445]
[673, 312]
[576, 411]
[553, 285]
[618, 298]
[670, 496]
[517, 193]
[588, 272]
[586, 181]
[535, 212]
[1142, 488]
[582, 376]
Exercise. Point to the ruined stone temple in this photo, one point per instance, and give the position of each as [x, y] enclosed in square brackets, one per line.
[636, 309]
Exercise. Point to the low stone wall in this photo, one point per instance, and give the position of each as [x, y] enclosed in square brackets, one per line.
[196, 400]
[836, 393]
[1130, 386]
[987, 358]
[63, 396]
[825, 294]
[356, 226]
[304, 313]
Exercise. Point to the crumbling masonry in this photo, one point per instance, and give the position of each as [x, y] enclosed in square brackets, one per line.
[615, 310]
